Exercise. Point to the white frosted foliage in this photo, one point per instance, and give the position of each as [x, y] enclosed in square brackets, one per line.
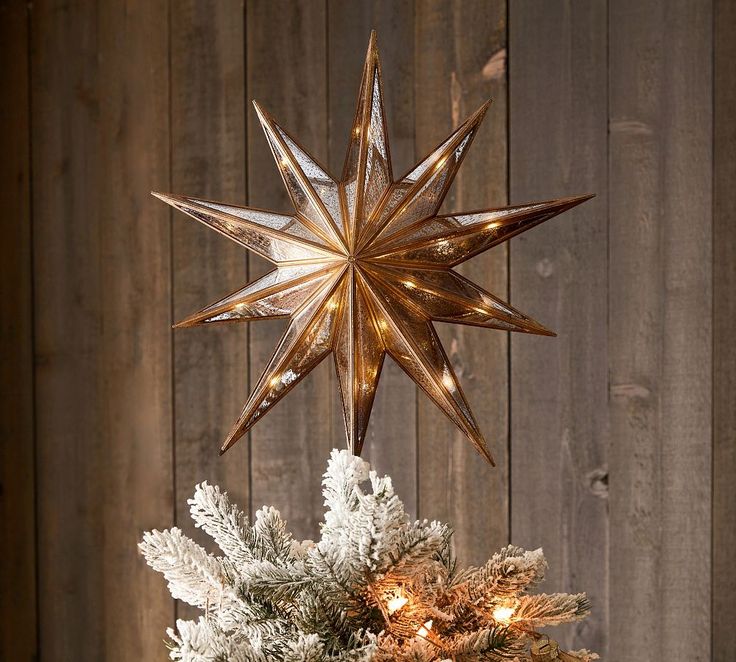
[375, 587]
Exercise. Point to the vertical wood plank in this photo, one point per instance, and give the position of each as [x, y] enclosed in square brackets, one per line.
[207, 160]
[460, 64]
[390, 444]
[17, 510]
[287, 75]
[558, 121]
[660, 336]
[724, 323]
[102, 311]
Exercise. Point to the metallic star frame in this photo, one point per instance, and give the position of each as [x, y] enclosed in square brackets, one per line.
[364, 266]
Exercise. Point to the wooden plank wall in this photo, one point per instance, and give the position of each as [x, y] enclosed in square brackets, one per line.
[615, 441]
[559, 418]
[660, 327]
[17, 479]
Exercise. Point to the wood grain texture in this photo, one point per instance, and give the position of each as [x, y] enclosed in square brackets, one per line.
[558, 119]
[115, 421]
[391, 441]
[460, 64]
[208, 161]
[724, 323]
[102, 284]
[660, 329]
[17, 472]
[287, 75]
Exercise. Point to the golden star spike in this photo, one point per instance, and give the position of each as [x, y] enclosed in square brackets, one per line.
[364, 266]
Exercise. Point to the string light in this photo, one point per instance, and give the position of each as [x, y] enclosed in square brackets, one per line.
[394, 604]
[503, 614]
[423, 630]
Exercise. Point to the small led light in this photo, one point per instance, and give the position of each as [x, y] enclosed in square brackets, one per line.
[503, 614]
[423, 630]
[394, 604]
[448, 381]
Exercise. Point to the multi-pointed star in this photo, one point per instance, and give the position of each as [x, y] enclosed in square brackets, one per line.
[364, 266]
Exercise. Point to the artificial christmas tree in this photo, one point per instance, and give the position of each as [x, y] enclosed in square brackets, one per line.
[375, 587]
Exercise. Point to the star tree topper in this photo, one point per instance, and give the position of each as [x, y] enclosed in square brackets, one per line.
[364, 266]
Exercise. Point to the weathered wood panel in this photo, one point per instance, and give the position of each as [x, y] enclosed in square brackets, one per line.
[17, 517]
[208, 161]
[558, 119]
[102, 306]
[460, 64]
[660, 329]
[125, 97]
[390, 444]
[287, 74]
[724, 323]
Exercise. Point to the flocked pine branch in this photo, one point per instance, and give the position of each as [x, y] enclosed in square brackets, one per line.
[375, 587]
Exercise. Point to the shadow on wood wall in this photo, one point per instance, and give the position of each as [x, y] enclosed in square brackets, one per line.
[615, 441]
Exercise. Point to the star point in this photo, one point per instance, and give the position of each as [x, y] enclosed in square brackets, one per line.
[364, 267]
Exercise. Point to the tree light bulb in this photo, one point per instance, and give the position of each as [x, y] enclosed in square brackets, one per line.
[503, 614]
[394, 604]
[423, 630]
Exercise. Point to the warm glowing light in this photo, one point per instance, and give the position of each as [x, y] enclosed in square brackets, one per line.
[448, 381]
[503, 614]
[240, 307]
[409, 284]
[394, 604]
[423, 631]
[490, 226]
[275, 381]
[441, 162]
[332, 305]
[284, 162]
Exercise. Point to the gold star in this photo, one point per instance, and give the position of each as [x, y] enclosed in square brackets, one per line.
[364, 266]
